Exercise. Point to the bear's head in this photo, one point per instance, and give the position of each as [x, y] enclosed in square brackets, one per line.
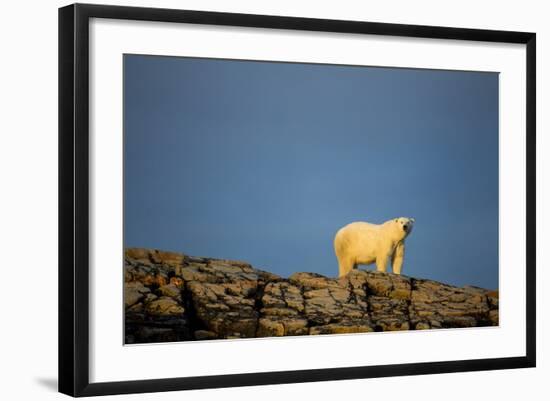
[403, 226]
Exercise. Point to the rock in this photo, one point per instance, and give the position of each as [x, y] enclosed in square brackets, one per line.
[205, 335]
[134, 292]
[170, 290]
[347, 327]
[137, 308]
[388, 285]
[222, 271]
[389, 314]
[284, 295]
[492, 297]
[283, 311]
[449, 306]
[149, 298]
[155, 279]
[295, 326]
[169, 258]
[155, 334]
[311, 281]
[270, 328]
[422, 326]
[164, 306]
[177, 281]
[175, 297]
[137, 254]
[226, 309]
[334, 306]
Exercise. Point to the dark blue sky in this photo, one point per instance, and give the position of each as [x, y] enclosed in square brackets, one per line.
[264, 162]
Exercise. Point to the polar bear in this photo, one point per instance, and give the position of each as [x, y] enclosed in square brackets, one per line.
[362, 243]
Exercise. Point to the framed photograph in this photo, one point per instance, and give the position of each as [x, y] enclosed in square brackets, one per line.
[347, 199]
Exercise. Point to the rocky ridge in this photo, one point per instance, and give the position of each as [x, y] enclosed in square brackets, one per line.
[175, 297]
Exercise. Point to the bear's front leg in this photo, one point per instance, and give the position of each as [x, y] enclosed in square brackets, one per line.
[397, 258]
[382, 263]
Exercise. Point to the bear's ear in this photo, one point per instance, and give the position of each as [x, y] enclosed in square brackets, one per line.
[396, 220]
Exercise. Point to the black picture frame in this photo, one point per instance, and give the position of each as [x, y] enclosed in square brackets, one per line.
[74, 194]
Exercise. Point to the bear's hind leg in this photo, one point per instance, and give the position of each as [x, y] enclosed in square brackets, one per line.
[345, 266]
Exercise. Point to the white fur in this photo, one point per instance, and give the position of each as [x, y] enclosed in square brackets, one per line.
[362, 243]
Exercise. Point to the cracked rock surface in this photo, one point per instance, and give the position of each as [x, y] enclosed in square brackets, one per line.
[170, 296]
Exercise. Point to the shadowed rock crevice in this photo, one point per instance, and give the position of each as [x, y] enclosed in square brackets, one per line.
[174, 297]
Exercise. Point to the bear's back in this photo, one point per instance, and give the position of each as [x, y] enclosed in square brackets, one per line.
[356, 231]
[360, 225]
